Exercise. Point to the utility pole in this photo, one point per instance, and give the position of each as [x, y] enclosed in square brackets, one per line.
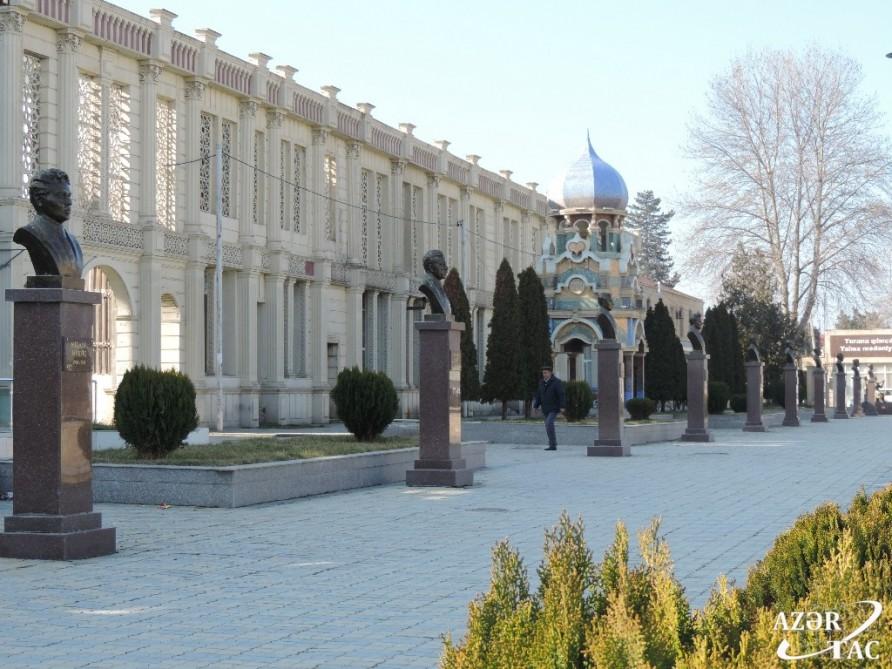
[218, 285]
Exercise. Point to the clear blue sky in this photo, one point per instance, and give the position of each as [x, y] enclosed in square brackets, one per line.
[520, 82]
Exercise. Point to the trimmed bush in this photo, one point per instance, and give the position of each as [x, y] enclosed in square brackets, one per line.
[367, 402]
[155, 410]
[579, 400]
[776, 391]
[738, 403]
[640, 408]
[719, 394]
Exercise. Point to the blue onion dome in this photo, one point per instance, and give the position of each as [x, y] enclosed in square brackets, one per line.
[590, 183]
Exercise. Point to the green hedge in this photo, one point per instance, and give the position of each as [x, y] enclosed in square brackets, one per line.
[579, 400]
[155, 410]
[738, 403]
[640, 408]
[366, 401]
[719, 394]
[611, 615]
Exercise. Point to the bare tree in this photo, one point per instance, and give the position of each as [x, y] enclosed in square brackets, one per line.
[790, 162]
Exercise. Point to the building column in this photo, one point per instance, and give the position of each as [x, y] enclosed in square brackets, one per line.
[274, 188]
[246, 129]
[354, 231]
[371, 342]
[149, 307]
[464, 237]
[400, 358]
[246, 343]
[394, 239]
[288, 344]
[148, 78]
[195, 89]
[639, 382]
[67, 45]
[354, 326]
[317, 203]
[317, 348]
[193, 321]
[272, 372]
[12, 23]
[429, 238]
[628, 375]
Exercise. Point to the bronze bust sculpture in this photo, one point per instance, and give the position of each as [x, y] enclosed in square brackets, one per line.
[434, 263]
[695, 336]
[53, 250]
[839, 358]
[817, 349]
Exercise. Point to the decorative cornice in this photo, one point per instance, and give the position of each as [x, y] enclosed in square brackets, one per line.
[320, 136]
[68, 42]
[11, 22]
[247, 109]
[397, 166]
[195, 89]
[149, 71]
[274, 119]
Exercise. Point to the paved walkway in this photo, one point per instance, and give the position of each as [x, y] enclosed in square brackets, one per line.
[371, 578]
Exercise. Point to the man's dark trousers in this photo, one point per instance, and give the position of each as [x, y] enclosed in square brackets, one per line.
[549, 428]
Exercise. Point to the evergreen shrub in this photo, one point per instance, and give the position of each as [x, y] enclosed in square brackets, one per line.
[640, 408]
[738, 403]
[719, 394]
[579, 400]
[776, 391]
[155, 410]
[612, 615]
[366, 401]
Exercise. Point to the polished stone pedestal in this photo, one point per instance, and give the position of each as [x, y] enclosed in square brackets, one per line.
[440, 461]
[857, 411]
[52, 504]
[791, 395]
[611, 412]
[753, 397]
[819, 416]
[698, 420]
[840, 411]
[870, 398]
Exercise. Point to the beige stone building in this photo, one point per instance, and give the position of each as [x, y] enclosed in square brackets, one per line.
[326, 211]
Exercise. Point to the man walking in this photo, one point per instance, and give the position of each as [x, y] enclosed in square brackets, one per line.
[550, 396]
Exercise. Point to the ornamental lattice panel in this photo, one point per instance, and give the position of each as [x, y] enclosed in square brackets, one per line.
[120, 153]
[165, 157]
[205, 139]
[89, 141]
[31, 72]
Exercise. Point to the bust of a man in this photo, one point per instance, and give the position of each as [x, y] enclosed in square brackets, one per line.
[839, 358]
[435, 269]
[695, 336]
[855, 371]
[53, 250]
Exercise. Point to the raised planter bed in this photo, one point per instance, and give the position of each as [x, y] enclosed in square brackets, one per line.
[243, 485]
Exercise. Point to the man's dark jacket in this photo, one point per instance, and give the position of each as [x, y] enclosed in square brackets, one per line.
[550, 395]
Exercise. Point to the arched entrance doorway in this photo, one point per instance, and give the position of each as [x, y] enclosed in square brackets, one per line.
[573, 344]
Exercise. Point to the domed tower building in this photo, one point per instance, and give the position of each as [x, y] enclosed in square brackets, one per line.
[587, 253]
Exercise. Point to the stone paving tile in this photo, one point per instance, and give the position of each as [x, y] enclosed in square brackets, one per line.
[372, 578]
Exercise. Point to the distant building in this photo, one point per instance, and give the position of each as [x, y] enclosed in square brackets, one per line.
[867, 346]
[587, 252]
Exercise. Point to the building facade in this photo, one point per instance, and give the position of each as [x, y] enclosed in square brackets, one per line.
[326, 211]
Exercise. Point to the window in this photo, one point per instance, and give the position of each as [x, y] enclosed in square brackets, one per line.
[206, 141]
[103, 355]
[364, 215]
[227, 132]
[380, 194]
[297, 176]
[259, 192]
[284, 189]
[165, 157]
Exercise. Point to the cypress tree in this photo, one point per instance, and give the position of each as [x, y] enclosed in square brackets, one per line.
[502, 379]
[534, 341]
[661, 361]
[461, 310]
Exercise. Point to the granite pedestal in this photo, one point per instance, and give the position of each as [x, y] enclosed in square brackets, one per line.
[611, 412]
[819, 416]
[52, 506]
[753, 397]
[698, 421]
[440, 461]
[857, 411]
[791, 395]
[840, 411]
[870, 398]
